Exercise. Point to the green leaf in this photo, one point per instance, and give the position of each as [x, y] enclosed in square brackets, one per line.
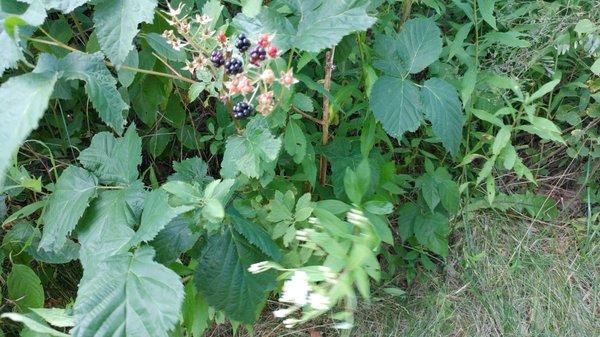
[65, 6]
[11, 52]
[407, 215]
[255, 234]
[72, 194]
[324, 23]
[24, 99]
[486, 8]
[116, 23]
[55, 316]
[294, 141]
[114, 160]
[127, 76]
[100, 85]
[431, 230]
[419, 44]
[160, 45]
[251, 8]
[223, 278]
[129, 295]
[501, 140]
[190, 170]
[443, 110]
[303, 102]
[24, 288]
[595, 68]
[267, 21]
[396, 104]
[543, 91]
[157, 214]
[107, 226]
[176, 238]
[33, 325]
[250, 152]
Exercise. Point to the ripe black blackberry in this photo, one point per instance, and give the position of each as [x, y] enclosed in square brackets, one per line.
[217, 58]
[234, 66]
[242, 110]
[257, 55]
[242, 43]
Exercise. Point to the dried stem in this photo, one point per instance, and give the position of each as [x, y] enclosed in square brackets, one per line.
[325, 121]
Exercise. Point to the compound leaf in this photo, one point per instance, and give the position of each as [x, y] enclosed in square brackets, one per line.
[247, 152]
[129, 295]
[72, 194]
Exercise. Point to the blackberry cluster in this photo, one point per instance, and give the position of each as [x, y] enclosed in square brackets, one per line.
[242, 43]
[234, 66]
[257, 55]
[242, 110]
[217, 58]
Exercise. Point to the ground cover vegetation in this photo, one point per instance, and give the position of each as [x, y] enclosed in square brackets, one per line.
[222, 167]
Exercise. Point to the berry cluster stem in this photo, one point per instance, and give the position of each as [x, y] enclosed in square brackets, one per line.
[325, 121]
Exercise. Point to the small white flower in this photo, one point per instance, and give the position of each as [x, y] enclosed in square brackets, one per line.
[280, 313]
[259, 267]
[295, 290]
[319, 302]
[203, 19]
[290, 322]
[175, 11]
[356, 217]
[302, 235]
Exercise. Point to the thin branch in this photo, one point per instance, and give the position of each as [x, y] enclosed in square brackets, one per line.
[307, 116]
[325, 121]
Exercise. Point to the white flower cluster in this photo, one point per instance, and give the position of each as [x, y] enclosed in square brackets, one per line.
[298, 292]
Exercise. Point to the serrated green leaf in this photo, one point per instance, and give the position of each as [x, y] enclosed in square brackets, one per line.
[303, 102]
[407, 214]
[443, 110]
[73, 192]
[323, 24]
[114, 160]
[222, 277]
[33, 325]
[249, 153]
[129, 295]
[431, 230]
[190, 170]
[127, 76]
[157, 214]
[11, 52]
[24, 99]
[55, 316]
[65, 6]
[396, 104]
[100, 85]
[251, 8]
[255, 234]
[175, 239]
[24, 288]
[116, 23]
[419, 44]
[107, 226]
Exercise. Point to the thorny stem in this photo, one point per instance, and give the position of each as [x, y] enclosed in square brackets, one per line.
[325, 121]
[57, 43]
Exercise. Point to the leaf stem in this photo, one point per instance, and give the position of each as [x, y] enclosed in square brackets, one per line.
[325, 120]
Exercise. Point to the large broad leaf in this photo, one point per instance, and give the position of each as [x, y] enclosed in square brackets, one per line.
[107, 226]
[130, 295]
[114, 161]
[24, 288]
[117, 24]
[23, 102]
[72, 194]
[250, 152]
[176, 238]
[431, 230]
[323, 23]
[157, 214]
[100, 85]
[443, 109]
[255, 234]
[397, 105]
[419, 44]
[223, 278]
[267, 21]
[11, 53]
